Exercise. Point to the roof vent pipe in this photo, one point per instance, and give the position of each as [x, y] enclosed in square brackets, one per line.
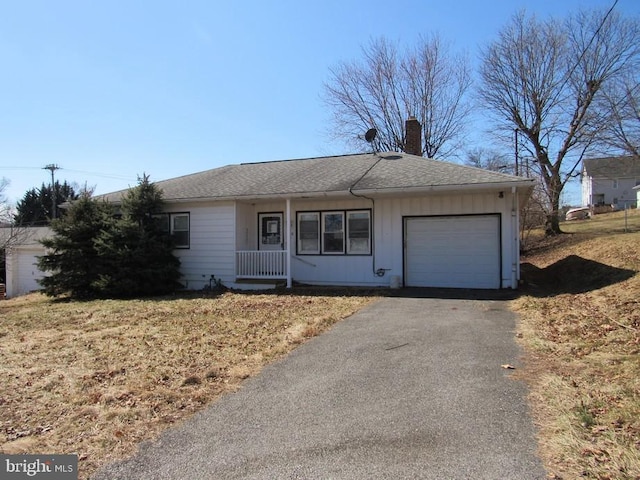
[413, 137]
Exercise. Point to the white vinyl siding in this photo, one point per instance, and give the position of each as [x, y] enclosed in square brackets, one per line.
[607, 191]
[212, 245]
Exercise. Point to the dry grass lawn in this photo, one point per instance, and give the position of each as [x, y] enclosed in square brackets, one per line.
[96, 378]
[580, 324]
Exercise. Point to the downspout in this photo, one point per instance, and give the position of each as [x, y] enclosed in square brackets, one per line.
[380, 272]
[515, 228]
[288, 249]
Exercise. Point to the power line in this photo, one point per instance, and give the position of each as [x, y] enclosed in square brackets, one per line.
[112, 176]
[586, 48]
[20, 168]
[103, 175]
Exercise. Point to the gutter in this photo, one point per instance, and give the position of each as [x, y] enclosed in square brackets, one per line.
[526, 183]
[366, 192]
[447, 188]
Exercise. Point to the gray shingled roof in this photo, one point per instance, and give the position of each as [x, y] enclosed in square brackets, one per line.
[328, 175]
[612, 167]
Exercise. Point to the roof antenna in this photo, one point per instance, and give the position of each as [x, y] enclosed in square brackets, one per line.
[370, 136]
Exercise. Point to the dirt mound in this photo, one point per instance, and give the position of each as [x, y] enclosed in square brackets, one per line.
[572, 274]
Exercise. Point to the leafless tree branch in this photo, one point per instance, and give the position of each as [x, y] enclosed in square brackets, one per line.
[387, 86]
[545, 78]
[10, 234]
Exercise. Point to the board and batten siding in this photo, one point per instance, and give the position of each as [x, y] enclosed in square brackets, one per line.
[391, 224]
[388, 218]
[331, 269]
[219, 229]
[212, 244]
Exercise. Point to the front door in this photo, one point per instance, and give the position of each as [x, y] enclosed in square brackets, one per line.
[270, 231]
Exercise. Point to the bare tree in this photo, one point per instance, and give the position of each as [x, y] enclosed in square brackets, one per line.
[622, 127]
[544, 78]
[387, 86]
[5, 207]
[532, 211]
[10, 234]
[488, 159]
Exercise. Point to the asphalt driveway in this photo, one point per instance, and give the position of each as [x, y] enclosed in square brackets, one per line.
[406, 388]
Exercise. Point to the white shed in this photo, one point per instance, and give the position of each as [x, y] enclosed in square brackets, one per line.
[21, 259]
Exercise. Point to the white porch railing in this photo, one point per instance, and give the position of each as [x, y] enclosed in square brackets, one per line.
[261, 264]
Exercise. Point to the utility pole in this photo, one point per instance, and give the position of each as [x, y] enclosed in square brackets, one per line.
[52, 168]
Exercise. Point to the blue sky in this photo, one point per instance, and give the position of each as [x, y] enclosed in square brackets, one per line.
[108, 90]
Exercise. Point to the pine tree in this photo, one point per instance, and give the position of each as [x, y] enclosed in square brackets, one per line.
[98, 254]
[73, 260]
[36, 206]
[139, 253]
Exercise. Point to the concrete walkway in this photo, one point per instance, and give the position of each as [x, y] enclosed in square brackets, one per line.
[406, 388]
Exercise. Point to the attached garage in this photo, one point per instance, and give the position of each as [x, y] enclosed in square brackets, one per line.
[459, 251]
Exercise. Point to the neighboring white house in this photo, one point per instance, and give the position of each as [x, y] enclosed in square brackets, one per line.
[375, 219]
[21, 259]
[610, 181]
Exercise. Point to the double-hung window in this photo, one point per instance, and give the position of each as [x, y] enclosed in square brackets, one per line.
[309, 233]
[180, 229]
[334, 232]
[359, 232]
[176, 225]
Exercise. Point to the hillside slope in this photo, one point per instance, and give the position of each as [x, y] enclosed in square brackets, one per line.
[580, 327]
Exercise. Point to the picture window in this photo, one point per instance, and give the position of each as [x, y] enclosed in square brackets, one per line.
[334, 232]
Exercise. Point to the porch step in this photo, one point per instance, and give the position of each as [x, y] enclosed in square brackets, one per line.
[278, 282]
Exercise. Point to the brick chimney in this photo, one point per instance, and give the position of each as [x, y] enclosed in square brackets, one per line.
[413, 137]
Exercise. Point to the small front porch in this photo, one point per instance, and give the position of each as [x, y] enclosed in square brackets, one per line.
[261, 264]
[262, 246]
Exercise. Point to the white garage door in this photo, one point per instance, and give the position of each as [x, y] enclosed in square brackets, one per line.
[28, 272]
[455, 251]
